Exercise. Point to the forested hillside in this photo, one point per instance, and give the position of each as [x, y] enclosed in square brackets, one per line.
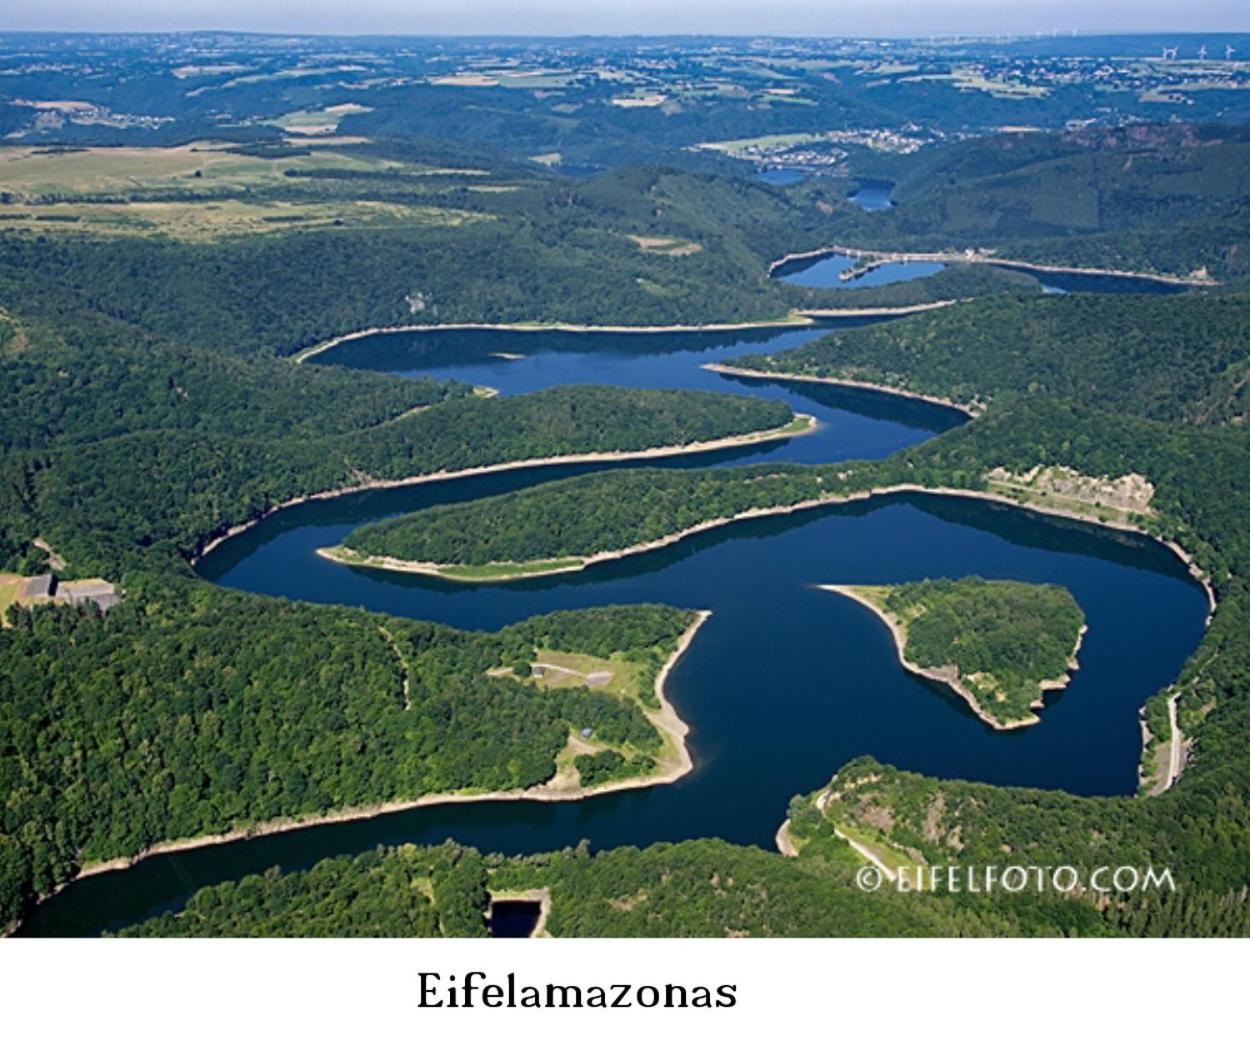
[175, 717]
[1182, 358]
[154, 498]
[148, 404]
[1159, 198]
[697, 888]
[71, 375]
[581, 517]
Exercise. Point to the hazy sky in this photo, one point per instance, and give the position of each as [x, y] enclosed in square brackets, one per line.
[489, 17]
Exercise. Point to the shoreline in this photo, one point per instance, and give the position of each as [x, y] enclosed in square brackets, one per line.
[888, 256]
[899, 633]
[750, 372]
[785, 842]
[421, 568]
[667, 720]
[794, 319]
[797, 319]
[761, 436]
[1195, 571]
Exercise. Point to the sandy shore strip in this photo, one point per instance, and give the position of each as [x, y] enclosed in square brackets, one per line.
[1195, 571]
[573, 563]
[666, 719]
[794, 319]
[888, 256]
[672, 451]
[785, 842]
[894, 309]
[819, 379]
[946, 677]
[798, 317]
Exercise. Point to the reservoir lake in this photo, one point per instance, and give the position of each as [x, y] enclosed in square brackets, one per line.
[781, 686]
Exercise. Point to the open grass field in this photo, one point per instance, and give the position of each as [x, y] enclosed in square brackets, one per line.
[203, 221]
[196, 192]
[627, 680]
[666, 246]
[762, 143]
[577, 669]
[28, 174]
[318, 122]
[10, 588]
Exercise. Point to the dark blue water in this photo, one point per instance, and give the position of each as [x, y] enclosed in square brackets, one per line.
[873, 196]
[825, 272]
[784, 683]
[781, 177]
[513, 918]
[1078, 282]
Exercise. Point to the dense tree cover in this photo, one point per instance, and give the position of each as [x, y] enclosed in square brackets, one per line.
[193, 710]
[1183, 358]
[1169, 198]
[71, 375]
[696, 888]
[1201, 826]
[586, 515]
[144, 414]
[610, 765]
[155, 497]
[1198, 471]
[1018, 634]
[408, 892]
[551, 250]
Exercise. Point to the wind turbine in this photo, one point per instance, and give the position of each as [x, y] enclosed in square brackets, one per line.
[1202, 53]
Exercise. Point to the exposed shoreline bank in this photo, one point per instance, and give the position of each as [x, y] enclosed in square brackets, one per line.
[768, 375]
[1194, 570]
[794, 319]
[887, 256]
[899, 633]
[666, 719]
[763, 436]
[798, 318]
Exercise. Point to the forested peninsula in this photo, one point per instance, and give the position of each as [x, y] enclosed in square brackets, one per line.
[122, 755]
[998, 644]
[155, 498]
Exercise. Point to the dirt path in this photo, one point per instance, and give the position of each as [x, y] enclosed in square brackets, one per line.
[1176, 746]
[865, 851]
[403, 665]
[602, 677]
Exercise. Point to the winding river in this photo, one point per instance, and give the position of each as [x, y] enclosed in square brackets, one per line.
[782, 685]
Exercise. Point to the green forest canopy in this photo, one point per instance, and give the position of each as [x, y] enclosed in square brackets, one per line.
[1005, 638]
[191, 709]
